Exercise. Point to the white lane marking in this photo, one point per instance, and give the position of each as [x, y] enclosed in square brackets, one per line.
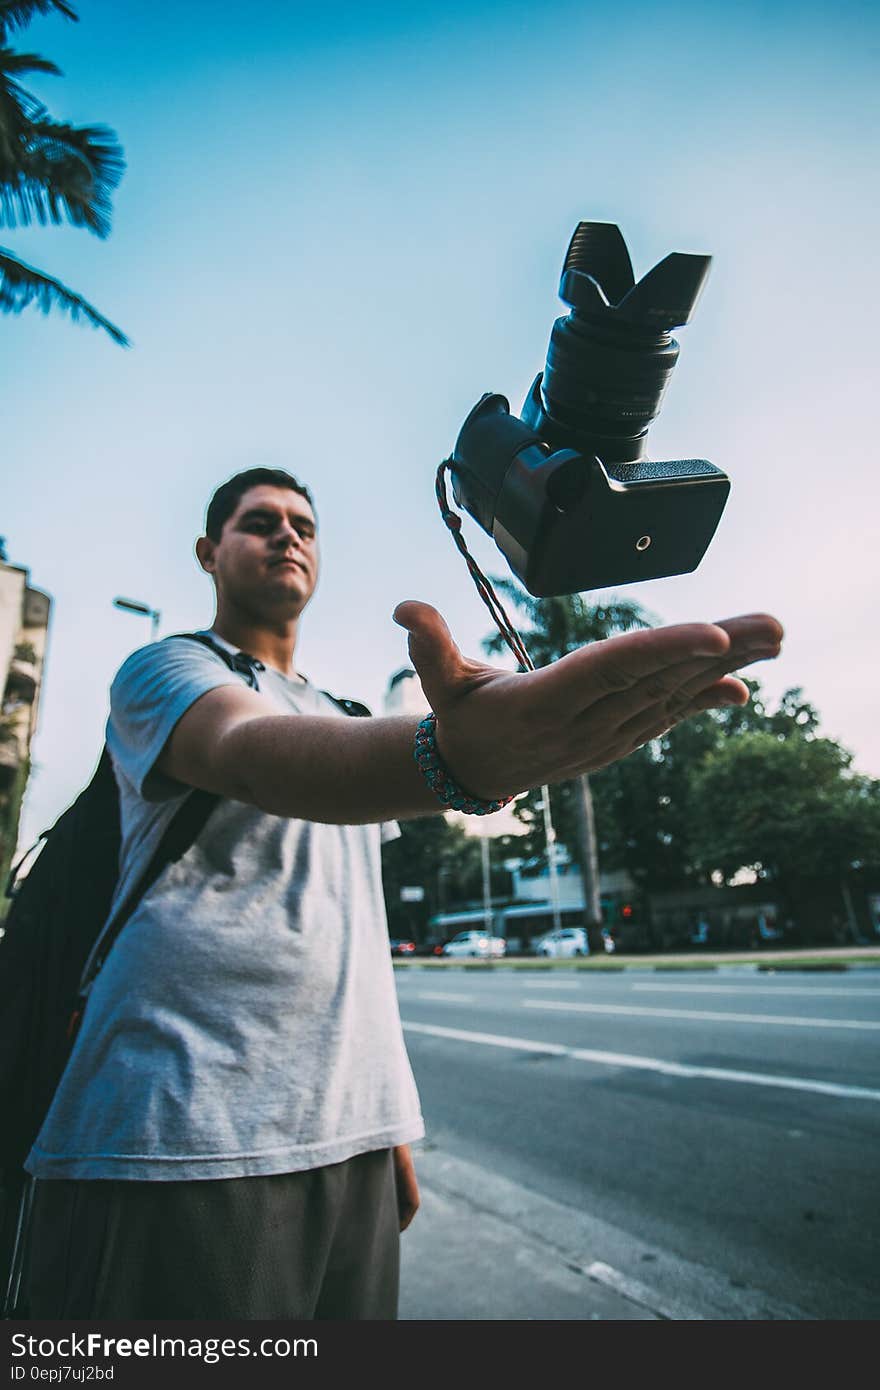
[655, 1064]
[766, 990]
[633, 1289]
[703, 1015]
[550, 984]
[444, 997]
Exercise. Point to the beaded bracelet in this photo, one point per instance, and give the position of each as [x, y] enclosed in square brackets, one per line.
[439, 779]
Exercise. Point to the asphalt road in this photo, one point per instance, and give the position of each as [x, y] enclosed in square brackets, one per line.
[708, 1132]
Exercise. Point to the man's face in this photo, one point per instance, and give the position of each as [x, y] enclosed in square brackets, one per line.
[267, 557]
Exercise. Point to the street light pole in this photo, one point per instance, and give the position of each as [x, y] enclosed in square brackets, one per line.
[130, 605]
[487, 885]
[550, 841]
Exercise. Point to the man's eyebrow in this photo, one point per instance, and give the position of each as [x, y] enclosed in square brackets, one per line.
[272, 514]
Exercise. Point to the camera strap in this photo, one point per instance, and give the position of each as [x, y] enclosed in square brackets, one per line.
[483, 585]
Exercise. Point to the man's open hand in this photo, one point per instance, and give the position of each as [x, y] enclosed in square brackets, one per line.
[502, 732]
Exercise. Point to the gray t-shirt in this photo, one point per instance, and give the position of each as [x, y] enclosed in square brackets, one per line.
[245, 1021]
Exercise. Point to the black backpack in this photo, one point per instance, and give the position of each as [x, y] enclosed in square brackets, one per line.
[57, 914]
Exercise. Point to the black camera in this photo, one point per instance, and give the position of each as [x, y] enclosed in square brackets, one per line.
[566, 491]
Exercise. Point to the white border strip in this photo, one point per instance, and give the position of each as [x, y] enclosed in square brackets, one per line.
[655, 1064]
[702, 1015]
[765, 990]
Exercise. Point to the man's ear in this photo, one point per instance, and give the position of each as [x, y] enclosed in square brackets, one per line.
[205, 548]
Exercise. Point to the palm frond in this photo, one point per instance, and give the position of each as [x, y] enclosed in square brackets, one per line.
[19, 109]
[518, 596]
[562, 624]
[17, 14]
[61, 171]
[18, 63]
[21, 285]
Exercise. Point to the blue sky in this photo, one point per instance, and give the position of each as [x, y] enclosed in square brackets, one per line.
[337, 229]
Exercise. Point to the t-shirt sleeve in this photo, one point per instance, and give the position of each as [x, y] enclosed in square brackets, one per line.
[152, 690]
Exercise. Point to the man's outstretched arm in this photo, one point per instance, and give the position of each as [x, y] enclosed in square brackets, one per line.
[499, 732]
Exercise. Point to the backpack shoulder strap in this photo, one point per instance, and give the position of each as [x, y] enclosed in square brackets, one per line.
[241, 662]
[352, 707]
[19, 865]
[182, 830]
[247, 666]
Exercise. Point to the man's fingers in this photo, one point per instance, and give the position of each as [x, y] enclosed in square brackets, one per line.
[406, 1185]
[676, 684]
[603, 745]
[406, 1214]
[620, 664]
[694, 686]
[438, 661]
[656, 720]
[421, 620]
[754, 628]
[649, 663]
[720, 693]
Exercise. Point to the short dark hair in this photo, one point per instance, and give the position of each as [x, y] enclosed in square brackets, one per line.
[229, 494]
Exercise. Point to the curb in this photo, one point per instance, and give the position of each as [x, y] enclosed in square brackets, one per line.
[689, 966]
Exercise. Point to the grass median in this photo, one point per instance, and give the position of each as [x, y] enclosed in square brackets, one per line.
[834, 959]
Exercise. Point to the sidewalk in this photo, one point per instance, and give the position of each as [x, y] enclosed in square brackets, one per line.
[482, 1248]
[462, 1260]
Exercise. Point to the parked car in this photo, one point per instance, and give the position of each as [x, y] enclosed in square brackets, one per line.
[566, 942]
[475, 943]
[402, 948]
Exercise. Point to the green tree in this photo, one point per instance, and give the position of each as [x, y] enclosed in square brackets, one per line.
[10, 815]
[559, 626]
[50, 171]
[790, 809]
[645, 804]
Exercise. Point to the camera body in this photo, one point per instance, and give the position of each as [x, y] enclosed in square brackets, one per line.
[566, 491]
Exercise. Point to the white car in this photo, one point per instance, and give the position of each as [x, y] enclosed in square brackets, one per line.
[568, 941]
[475, 943]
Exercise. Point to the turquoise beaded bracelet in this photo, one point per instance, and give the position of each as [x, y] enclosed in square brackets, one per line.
[438, 778]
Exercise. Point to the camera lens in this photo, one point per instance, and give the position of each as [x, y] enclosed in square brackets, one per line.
[610, 360]
[603, 384]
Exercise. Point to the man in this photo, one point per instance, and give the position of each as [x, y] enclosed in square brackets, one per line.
[231, 1135]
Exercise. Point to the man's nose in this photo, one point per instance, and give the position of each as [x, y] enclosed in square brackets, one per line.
[286, 536]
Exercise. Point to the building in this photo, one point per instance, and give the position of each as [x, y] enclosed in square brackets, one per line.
[530, 882]
[405, 694]
[24, 626]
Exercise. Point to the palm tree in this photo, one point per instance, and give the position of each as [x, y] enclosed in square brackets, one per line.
[49, 172]
[559, 626]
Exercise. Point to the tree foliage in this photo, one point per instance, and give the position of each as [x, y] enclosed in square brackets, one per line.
[645, 804]
[672, 813]
[50, 172]
[789, 808]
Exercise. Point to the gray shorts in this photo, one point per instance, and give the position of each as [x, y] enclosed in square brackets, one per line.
[321, 1244]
